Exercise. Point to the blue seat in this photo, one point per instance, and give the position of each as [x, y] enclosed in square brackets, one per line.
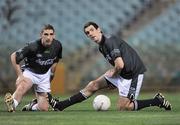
[163, 29]
[68, 17]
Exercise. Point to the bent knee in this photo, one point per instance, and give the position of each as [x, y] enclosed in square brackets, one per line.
[128, 106]
[125, 108]
[43, 107]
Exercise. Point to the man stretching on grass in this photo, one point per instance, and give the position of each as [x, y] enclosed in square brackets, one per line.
[126, 75]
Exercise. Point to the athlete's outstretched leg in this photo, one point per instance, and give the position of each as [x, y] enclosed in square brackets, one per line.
[89, 90]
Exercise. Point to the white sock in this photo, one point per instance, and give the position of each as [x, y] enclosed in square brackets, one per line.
[15, 103]
[35, 107]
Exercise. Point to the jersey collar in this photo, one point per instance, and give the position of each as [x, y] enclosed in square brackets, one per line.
[102, 40]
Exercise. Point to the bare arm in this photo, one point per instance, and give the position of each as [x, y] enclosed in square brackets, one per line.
[119, 64]
[16, 66]
[53, 69]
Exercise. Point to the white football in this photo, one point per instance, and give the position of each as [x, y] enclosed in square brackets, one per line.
[101, 103]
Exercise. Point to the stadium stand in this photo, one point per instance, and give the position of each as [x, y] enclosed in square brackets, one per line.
[163, 29]
[69, 17]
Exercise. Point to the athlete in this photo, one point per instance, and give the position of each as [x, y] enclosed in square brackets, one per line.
[40, 58]
[126, 75]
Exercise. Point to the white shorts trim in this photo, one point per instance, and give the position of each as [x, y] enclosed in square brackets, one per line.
[125, 85]
[41, 82]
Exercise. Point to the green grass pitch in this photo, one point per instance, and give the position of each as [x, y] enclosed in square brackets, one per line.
[83, 114]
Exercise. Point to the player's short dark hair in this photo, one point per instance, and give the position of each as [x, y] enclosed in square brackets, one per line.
[48, 27]
[91, 23]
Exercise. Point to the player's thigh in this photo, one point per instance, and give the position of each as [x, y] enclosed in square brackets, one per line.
[43, 104]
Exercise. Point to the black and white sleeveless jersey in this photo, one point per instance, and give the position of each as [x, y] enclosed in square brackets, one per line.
[38, 58]
[112, 47]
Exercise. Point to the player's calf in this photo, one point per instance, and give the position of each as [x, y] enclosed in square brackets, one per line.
[61, 105]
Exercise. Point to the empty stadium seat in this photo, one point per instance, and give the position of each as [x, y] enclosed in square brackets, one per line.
[163, 29]
[68, 17]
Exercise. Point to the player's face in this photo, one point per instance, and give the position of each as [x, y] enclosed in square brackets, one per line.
[47, 37]
[93, 33]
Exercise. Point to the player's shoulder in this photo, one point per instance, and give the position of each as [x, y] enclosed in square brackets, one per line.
[115, 40]
[33, 45]
[57, 43]
[110, 39]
